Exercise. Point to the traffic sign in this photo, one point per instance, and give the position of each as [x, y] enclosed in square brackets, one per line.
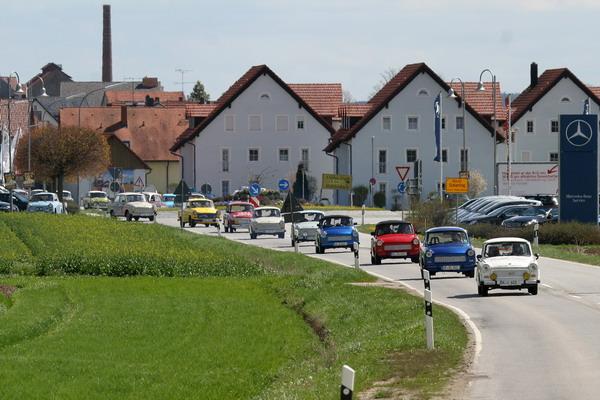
[114, 186]
[139, 182]
[206, 188]
[457, 185]
[254, 189]
[402, 187]
[372, 181]
[284, 185]
[402, 171]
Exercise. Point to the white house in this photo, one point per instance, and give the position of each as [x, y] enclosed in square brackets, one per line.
[398, 129]
[260, 130]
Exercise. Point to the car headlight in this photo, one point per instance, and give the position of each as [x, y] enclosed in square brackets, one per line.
[533, 268]
[470, 253]
[429, 254]
[485, 268]
[281, 223]
[415, 241]
[379, 243]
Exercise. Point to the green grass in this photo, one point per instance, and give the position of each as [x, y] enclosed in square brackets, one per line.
[366, 228]
[281, 333]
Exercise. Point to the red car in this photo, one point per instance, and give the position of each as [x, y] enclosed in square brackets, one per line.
[238, 215]
[394, 239]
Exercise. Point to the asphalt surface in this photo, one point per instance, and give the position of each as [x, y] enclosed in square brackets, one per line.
[534, 347]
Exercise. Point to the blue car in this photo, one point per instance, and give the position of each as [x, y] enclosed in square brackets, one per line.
[334, 232]
[447, 249]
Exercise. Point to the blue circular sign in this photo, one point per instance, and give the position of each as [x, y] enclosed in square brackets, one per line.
[254, 189]
[401, 187]
[578, 133]
[284, 184]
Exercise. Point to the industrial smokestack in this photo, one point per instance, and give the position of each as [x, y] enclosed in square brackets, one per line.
[106, 45]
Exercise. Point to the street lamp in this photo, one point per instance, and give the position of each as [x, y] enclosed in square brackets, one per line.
[464, 166]
[481, 88]
[44, 94]
[372, 170]
[10, 161]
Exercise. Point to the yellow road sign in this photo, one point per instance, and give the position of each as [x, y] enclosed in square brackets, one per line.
[333, 181]
[457, 185]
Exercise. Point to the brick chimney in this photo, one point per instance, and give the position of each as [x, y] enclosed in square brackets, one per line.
[533, 72]
[106, 45]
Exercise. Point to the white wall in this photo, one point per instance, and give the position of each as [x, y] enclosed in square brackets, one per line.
[268, 140]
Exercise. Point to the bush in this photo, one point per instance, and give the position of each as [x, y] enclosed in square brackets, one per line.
[379, 199]
[572, 233]
[360, 195]
[428, 214]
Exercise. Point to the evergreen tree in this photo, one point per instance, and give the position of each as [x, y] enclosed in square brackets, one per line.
[199, 94]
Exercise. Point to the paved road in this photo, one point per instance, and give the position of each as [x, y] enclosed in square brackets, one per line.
[534, 347]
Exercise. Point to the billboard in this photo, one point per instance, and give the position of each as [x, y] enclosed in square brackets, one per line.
[579, 168]
[333, 181]
[528, 178]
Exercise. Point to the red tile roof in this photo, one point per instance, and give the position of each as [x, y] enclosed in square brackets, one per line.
[118, 97]
[353, 110]
[482, 101]
[595, 90]
[199, 110]
[324, 98]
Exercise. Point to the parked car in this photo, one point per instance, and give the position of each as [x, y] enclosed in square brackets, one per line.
[447, 249]
[336, 231]
[306, 226]
[154, 198]
[529, 217]
[507, 263]
[394, 239]
[45, 202]
[498, 215]
[66, 195]
[131, 206]
[19, 200]
[237, 215]
[5, 207]
[36, 191]
[22, 192]
[267, 221]
[548, 200]
[96, 199]
[199, 211]
[169, 200]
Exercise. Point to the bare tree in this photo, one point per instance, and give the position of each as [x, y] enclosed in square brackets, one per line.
[347, 97]
[477, 183]
[384, 78]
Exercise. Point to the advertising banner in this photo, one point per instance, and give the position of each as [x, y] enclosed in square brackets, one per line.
[528, 178]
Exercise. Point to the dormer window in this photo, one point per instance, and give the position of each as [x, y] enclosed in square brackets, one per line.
[423, 92]
[565, 100]
[265, 97]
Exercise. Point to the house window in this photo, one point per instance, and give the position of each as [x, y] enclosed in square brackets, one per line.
[554, 126]
[525, 156]
[284, 155]
[254, 122]
[445, 155]
[265, 97]
[460, 123]
[305, 158]
[382, 187]
[464, 159]
[530, 126]
[282, 123]
[225, 160]
[382, 161]
[224, 188]
[252, 155]
[300, 123]
[423, 92]
[387, 123]
[411, 155]
[229, 123]
[554, 157]
[413, 123]
[443, 123]
[565, 100]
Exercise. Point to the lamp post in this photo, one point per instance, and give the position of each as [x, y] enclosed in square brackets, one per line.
[44, 94]
[371, 185]
[464, 161]
[481, 87]
[10, 160]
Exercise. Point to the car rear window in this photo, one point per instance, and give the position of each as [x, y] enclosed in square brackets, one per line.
[392, 228]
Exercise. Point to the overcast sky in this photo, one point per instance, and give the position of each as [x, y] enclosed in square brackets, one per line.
[347, 41]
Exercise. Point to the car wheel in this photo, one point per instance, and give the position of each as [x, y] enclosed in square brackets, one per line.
[227, 229]
[482, 290]
[252, 235]
[293, 242]
[136, 218]
[414, 260]
[181, 222]
[376, 260]
[533, 290]
[192, 223]
[151, 219]
[112, 214]
[470, 274]
[281, 235]
[127, 216]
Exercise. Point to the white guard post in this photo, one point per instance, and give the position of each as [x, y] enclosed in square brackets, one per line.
[347, 383]
[428, 311]
[295, 241]
[363, 215]
[219, 226]
[536, 242]
[355, 247]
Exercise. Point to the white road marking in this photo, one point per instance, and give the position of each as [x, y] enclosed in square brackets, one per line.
[546, 285]
[577, 297]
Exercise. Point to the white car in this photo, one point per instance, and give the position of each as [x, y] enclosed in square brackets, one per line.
[45, 202]
[306, 229]
[132, 206]
[267, 221]
[507, 263]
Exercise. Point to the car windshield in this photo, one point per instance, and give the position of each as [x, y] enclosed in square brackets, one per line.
[241, 207]
[42, 197]
[312, 216]
[135, 197]
[447, 237]
[98, 195]
[337, 221]
[200, 204]
[267, 212]
[384, 229]
[506, 249]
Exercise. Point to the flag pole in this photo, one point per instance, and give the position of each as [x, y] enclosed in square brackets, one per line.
[509, 138]
[441, 151]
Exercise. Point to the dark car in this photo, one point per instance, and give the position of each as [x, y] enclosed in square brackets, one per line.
[5, 207]
[18, 199]
[548, 200]
[528, 218]
[502, 213]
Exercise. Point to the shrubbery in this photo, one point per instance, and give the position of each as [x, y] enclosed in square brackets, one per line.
[572, 233]
[379, 199]
[431, 213]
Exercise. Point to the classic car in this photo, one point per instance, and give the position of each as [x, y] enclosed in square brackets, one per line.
[66, 195]
[336, 231]
[45, 202]
[306, 226]
[18, 199]
[507, 263]
[394, 239]
[237, 215]
[447, 249]
[96, 199]
[199, 211]
[131, 206]
[267, 221]
[154, 198]
[169, 199]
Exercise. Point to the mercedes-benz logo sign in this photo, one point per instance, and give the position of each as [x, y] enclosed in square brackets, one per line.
[578, 133]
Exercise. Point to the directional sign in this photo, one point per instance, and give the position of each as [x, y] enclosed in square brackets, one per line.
[206, 188]
[403, 171]
[284, 185]
[402, 187]
[254, 189]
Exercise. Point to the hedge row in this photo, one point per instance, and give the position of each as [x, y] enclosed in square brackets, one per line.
[98, 246]
[572, 233]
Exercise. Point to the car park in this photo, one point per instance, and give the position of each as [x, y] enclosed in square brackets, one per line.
[507, 263]
[336, 231]
[238, 214]
[447, 249]
[5, 207]
[45, 202]
[199, 211]
[131, 206]
[19, 200]
[305, 226]
[394, 239]
[96, 199]
[498, 215]
[267, 221]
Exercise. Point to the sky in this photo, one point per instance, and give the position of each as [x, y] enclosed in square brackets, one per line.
[346, 41]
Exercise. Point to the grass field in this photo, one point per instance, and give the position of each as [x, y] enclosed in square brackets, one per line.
[266, 325]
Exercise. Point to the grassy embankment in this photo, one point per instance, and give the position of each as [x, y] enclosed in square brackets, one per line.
[215, 319]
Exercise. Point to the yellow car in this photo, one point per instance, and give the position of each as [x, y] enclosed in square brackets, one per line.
[199, 211]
